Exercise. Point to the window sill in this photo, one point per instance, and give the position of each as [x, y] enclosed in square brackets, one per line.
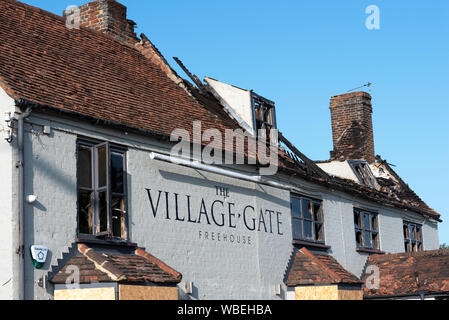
[106, 242]
[372, 251]
[319, 245]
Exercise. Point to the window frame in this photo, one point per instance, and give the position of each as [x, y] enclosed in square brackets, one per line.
[417, 242]
[95, 189]
[264, 114]
[363, 172]
[374, 244]
[303, 219]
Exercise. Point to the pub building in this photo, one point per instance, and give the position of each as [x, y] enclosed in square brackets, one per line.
[95, 205]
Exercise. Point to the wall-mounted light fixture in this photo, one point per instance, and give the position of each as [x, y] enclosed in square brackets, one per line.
[31, 198]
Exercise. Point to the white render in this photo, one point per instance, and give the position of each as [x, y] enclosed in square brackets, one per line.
[217, 269]
[7, 214]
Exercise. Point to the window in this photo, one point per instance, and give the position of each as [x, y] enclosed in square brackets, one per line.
[363, 173]
[101, 190]
[307, 219]
[265, 115]
[366, 229]
[412, 237]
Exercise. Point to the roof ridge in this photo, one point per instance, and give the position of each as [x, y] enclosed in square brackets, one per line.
[310, 255]
[63, 19]
[101, 263]
[390, 256]
[36, 9]
[142, 253]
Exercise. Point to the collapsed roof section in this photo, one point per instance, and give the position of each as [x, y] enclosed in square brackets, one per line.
[378, 176]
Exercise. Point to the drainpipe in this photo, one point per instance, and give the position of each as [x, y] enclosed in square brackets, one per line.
[21, 197]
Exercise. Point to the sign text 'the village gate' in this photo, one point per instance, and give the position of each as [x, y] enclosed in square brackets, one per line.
[215, 212]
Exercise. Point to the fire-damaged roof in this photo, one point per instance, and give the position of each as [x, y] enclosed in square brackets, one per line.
[410, 274]
[124, 265]
[91, 75]
[307, 268]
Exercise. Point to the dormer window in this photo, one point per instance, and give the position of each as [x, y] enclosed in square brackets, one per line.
[363, 173]
[264, 114]
[252, 111]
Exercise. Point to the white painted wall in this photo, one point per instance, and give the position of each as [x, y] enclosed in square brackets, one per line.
[7, 173]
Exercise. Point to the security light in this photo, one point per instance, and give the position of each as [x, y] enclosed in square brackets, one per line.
[7, 117]
[31, 198]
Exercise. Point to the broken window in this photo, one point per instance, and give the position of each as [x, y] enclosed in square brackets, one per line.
[363, 173]
[101, 190]
[412, 237]
[366, 229]
[265, 116]
[307, 219]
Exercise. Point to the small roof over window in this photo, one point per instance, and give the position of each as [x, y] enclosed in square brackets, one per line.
[100, 264]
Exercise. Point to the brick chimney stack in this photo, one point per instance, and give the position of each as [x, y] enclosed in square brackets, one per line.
[352, 127]
[108, 16]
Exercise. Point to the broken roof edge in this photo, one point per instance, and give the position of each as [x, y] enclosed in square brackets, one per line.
[419, 202]
[141, 252]
[353, 189]
[113, 266]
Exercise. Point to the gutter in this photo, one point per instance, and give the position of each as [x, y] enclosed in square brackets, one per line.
[21, 198]
[225, 172]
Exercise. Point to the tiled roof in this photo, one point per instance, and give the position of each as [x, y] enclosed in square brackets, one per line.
[91, 73]
[410, 273]
[307, 268]
[125, 266]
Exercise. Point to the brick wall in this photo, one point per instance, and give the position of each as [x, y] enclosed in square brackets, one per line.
[352, 127]
[108, 16]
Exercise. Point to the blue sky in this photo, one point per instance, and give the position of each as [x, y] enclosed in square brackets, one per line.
[300, 53]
